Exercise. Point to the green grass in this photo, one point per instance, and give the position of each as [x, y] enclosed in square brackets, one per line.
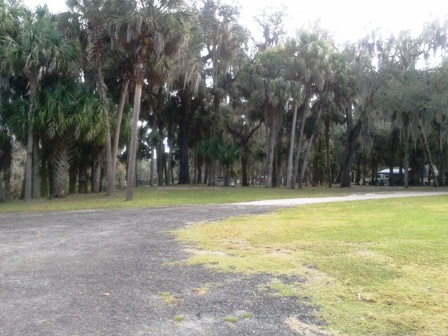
[166, 297]
[372, 267]
[145, 197]
[231, 319]
[178, 318]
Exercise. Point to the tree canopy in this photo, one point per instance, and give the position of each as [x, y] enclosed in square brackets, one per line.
[111, 84]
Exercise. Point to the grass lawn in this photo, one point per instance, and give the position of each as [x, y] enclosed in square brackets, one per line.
[145, 197]
[376, 267]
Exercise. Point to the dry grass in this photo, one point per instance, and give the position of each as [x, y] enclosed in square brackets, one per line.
[373, 267]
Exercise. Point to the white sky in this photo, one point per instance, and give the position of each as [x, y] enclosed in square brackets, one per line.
[346, 19]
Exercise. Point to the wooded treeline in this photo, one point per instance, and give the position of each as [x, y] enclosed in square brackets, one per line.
[113, 82]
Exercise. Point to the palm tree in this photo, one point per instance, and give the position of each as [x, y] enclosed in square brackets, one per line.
[223, 40]
[67, 112]
[309, 67]
[271, 91]
[39, 48]
[94, 16]
[148, 31]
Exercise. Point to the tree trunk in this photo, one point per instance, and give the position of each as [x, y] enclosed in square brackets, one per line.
[275, 120]
[133, 145]
[196, 164]
[102, 88]
[442, 156]
[393, 146]
[307, 153]
[6, 166]
[245, 179]
[358, 170]
[82, 177]
[428, 153]
[160, 160]
[44, 175]
[305, 109]
[406, 155]
[96, 177]
[166, 169]
[184, 169]
[213, 173]
[124, 94]
[2, 189]
[140, 74]
[36, 168]
[73, 174]
[61, 160]
[290, 182]
[352, 137]
[30, 144]
[151, 166]
[327, 150]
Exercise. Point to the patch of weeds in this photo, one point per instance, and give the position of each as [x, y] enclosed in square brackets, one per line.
[278, 288]
[167, 297]
[178, 318]
[246, 315]
[232, 319]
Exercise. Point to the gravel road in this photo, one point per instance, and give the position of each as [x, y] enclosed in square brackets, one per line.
[115, 273]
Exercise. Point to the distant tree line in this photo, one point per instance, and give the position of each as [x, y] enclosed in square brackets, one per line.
[113, 82]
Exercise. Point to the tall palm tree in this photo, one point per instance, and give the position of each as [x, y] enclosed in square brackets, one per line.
[271, 91]
[148, 31]
[223, 40]
[94, 37]
[309, 67]
[39, 48]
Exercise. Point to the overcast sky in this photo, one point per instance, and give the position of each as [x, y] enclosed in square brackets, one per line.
[346, 19]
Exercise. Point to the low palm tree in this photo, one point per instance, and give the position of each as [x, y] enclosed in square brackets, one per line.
[68, 112]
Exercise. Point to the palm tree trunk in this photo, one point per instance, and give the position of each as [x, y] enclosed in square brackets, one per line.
[184, 173]
[73, 175]
[273, 132]
[352, 137]
[101, 86]
[151, 166]
[96, 176]
[327, 145]
[290, 182]
[124, 93]
[428, 153]
[29, 144]
[299, 143]
[406, 155]
[307, 153]
[213, 162]
[160, 160]
[62, 157]
[36, 167]
[82, 177]
[29, 169]
[140, 75]
[133, 145]
[6, 166]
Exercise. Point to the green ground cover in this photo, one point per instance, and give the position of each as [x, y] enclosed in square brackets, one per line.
[375, 267]
[145, 197]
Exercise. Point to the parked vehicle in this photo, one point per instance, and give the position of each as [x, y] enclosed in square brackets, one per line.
[383, 177]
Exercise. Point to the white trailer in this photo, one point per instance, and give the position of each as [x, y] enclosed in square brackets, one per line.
[383, 176]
